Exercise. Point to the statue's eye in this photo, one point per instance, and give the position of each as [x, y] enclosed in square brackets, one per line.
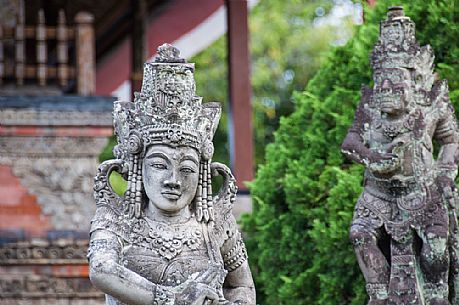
[187, 170]
[159, 165]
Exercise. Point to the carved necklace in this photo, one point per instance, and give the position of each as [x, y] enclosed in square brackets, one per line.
[394, 128]
[168, 240]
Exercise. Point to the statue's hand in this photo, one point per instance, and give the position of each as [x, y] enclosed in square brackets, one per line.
[201, 288]
[383, 163]
[195, 293]
[377, 157]
[448, 190]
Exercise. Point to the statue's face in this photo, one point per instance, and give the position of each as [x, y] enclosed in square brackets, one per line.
[392, 90]
[393, 33]
[170, 177]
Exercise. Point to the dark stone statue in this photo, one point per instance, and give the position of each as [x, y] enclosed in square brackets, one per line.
[404, 229]
[168, 240]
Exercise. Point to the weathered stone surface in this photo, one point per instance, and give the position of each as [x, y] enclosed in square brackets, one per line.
[168, 240]
[49, 148]
[404, 229]
[52, 145]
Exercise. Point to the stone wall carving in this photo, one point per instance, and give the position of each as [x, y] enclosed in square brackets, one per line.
[34, 118]
[42, 252]
[62, 185]
[63, 190]
[33, 147]
[41, 286]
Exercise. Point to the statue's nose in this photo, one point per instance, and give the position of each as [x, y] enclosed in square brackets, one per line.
[173, 182]
[386, 84]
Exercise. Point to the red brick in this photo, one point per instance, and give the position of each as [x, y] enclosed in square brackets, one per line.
[57, 131]
[18, 208]
[71, 271]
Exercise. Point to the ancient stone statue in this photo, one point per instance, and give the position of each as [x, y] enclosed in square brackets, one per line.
[168, 240]
[404, 229]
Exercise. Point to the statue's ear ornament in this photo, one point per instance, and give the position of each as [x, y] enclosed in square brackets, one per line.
[135, 143]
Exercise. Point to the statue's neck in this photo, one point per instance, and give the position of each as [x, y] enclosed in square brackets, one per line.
[155, 214]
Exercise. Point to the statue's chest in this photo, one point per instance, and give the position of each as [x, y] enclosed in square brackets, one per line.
[381, 133]
[165, 254]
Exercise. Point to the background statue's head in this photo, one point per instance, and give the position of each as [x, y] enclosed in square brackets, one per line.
[392, 90]
[403, 70]
[166, 135]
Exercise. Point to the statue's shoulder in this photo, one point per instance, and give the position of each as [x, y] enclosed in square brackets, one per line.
[109, 214]
[439, 97]
[363, 114]
[225, 224]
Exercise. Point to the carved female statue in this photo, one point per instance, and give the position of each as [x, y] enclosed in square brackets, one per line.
[168, 240]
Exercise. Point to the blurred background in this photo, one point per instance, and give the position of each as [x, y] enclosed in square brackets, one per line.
[63, 63]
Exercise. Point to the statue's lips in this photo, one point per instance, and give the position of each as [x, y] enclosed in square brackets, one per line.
[171, 195]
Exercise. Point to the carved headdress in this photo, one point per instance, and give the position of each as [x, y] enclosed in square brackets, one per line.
[397, 48]
[166, 111]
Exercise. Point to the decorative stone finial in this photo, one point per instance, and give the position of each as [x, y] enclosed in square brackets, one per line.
[167, 53]
[395, 11]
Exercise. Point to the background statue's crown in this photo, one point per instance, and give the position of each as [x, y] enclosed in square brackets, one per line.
[167, 110]
[397, 46]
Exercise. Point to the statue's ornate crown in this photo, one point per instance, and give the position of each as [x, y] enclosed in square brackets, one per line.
[397, 46]
[166, 111]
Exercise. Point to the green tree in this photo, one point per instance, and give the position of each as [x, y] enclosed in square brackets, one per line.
[305, 193]
[287, 47]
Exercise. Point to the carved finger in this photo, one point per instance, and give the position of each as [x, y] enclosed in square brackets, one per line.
[206, 277]
[209, 295]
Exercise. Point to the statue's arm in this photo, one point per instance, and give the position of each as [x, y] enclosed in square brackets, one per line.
[114, 279]
[238, 287]
[447, 135]
[353, 146]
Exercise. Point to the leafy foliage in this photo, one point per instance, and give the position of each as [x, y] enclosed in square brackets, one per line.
[286, 50]
[305, 193]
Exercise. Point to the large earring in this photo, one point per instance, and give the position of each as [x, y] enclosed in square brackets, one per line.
[138, 191]
[133, 195]
[204, 204]
[205, 212]
[210, 204]
[199, 213]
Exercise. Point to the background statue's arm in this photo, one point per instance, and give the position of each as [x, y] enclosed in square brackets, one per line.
[354, 148]
[114, 279]
[447, 135]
